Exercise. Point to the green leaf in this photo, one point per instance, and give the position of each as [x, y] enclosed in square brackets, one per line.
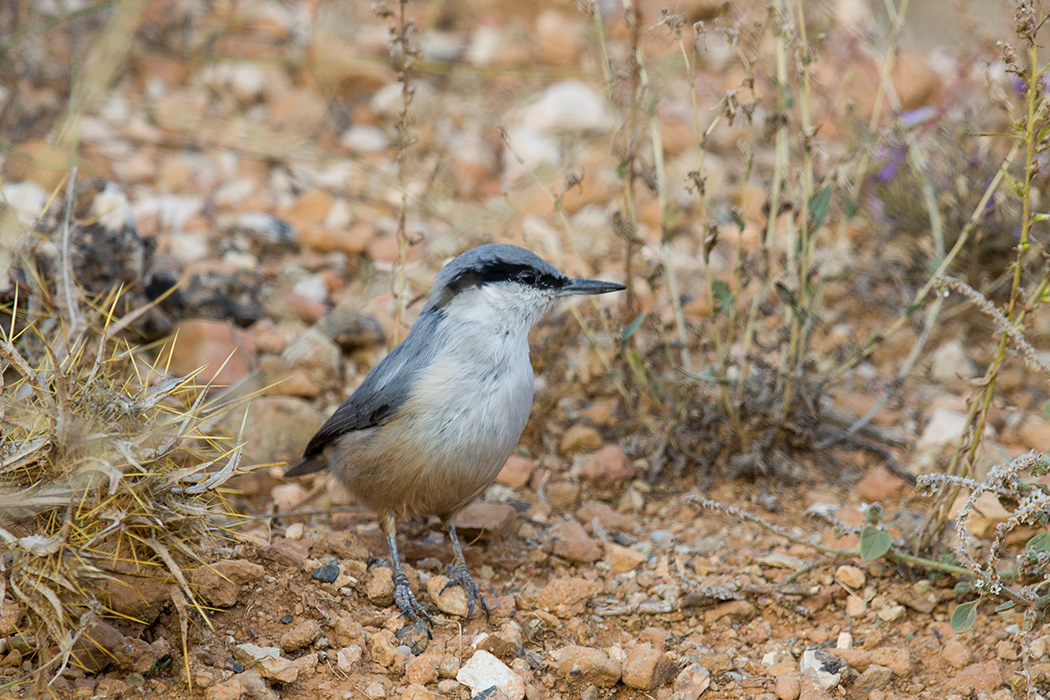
[1003, 607]
[724, 297]
[1040, 542]
[874, 543]
[737, 219]
[964, 617]
[818, 206]
[1045, 410]
[632, 328]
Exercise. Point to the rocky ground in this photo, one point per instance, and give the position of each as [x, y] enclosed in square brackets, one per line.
[252, 154]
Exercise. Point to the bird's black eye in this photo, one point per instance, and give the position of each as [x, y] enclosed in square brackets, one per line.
[527, 277]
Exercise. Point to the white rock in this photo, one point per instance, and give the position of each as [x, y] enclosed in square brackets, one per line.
[534, 149]
[347, 657]
[822, 667]
[944, 428]
[365, 139]
[486, 45]
[950, 362]
[570, 105]
[233, 192]
[484, 671]
[112, 208]
[267, 661]
[188, 247]
[312, 287]
[245, 80]
[339, 215]
[28, 199]
[387, 100]
[167, 211]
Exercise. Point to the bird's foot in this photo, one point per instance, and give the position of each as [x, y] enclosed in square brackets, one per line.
[406, 600]
[459, 575]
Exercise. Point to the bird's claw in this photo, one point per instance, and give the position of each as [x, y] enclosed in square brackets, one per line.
[406, 601]
[458, 575]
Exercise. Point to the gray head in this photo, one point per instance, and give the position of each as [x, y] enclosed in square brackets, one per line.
[504, 286]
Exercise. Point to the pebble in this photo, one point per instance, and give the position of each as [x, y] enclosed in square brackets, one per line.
[347, 657]
[1034, 432]
[787, 686]
[299, 636]
[566, 596]
[984, 677]
[579, 437]
[733, 609]
[417, 692]
[379, 585]
[483, 671]
[486, 521]
[453, 601]
[516, 472]
[421, 670]
[950, 363]
[623, 559]
[943, 428]
[562, 495]
[382, 648]
[224, 351]
[610, 464]
[220, 583]
[826, 669]
[851, 577]
[646, 668]
[691, 682]
[855, 606]
[605, 515]
[579, 664]
[365, 139]
[879, 485]
[570, 105]
[287, 552]
[326, 573]
[875, 677]
[504, 643]
[891, 613]
[268, 661]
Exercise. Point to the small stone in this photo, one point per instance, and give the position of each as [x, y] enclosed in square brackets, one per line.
[691, 683]
[301, 635]
[787, 686]
[516, 472]
[379, 585]
[375, 690]
[415, 636]
[487, 521]
[605, 515]
[1034, 432]
[365, 139]
[225, 352]
[881, 486]
[381, 646]
[875, 677]
[984, 677]
[1006, 650]
[347, 657]
[583, 550]
[483, 671]
[268, 661]
[579, 437]
[568, 106]
[733, 609]
[287, 552]
[855, 606]
[10, 618]
[505, 643]
[417, 692]
[220, 583]
[421, 670]
[562, 495]
[262, 444]
[950, 363]
[623, 559]
[326, 573]
[586, 665]
[890, 613]
[944, 428]
[826, 669]
[610, 464]
[567, 596]
[851, 577]
[453, 601]
[646, 668]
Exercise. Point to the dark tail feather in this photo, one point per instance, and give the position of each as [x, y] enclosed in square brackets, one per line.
[307, 465]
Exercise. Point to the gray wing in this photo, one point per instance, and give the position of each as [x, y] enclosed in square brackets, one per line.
[378, 397]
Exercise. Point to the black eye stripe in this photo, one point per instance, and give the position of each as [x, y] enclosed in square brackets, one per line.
[499, 271]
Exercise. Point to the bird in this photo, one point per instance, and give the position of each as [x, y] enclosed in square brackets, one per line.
[432, 424]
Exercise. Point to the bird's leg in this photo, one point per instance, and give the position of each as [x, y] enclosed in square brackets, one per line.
[459, 574]
[403, 595]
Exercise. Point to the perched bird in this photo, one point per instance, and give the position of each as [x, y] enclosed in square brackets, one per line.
[431, 425]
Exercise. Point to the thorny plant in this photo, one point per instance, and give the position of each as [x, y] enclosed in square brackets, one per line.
[110, 474]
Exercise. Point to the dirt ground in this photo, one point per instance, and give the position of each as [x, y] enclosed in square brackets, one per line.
[256, 144]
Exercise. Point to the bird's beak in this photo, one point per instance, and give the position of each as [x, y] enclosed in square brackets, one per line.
[581, 286]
